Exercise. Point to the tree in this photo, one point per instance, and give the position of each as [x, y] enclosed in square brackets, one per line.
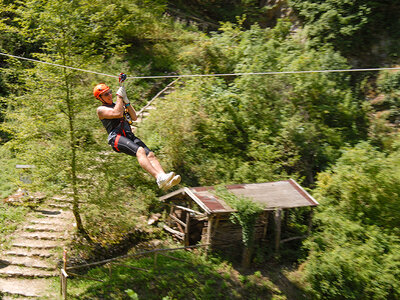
[55, 107]
[349, 260]
[354, 252]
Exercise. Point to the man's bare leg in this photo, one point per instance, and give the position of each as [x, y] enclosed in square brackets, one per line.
[155, 163]
[146, 163]
[151, 164]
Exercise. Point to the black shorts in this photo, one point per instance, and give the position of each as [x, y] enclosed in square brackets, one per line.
[127, 143]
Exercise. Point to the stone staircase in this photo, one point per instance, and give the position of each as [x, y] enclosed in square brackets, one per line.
[29, 267]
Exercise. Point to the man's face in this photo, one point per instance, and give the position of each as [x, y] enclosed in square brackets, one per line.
[107, 97]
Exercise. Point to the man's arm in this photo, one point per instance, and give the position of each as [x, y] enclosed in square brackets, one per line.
[121, 92]
[116, 112]
[132, 113]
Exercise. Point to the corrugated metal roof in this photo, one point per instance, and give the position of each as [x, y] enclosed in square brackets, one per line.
[271, 195]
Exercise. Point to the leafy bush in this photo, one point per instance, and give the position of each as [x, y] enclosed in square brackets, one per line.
[246, 215]
[355, 252]
[349, 260]
[364, 186]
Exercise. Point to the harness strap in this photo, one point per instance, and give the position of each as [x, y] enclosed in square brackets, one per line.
[119, 135]
[116, 142]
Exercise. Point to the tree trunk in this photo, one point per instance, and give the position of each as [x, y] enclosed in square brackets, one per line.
[72, 142]
[246, 256]
[278, 221]
[248, 251]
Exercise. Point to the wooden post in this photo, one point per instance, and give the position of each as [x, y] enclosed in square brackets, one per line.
[171, 212]
[265, 229]
[63, 277]
[65, 259]
[61, 282]
[278, 221]
[209, 231]
[186, 240]
[285, 215]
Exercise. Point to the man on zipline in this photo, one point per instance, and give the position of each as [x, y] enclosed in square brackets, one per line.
[121, 138]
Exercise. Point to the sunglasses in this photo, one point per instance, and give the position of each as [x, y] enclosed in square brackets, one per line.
[109, 92]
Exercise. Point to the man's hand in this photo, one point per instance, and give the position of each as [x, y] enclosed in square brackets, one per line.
[122, 93]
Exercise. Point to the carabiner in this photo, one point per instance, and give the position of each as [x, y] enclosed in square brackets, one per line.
[121, 78]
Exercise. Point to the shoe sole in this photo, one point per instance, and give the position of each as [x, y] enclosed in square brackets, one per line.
[170, 178]
[176, 180]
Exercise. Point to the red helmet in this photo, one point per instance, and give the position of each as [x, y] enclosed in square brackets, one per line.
[100, 89]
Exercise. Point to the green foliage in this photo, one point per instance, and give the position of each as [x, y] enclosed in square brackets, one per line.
[355, 252]
[132, 294]
[246, 215]
[364, 186]
[257, 128]
[10, 218]
[55, 123]
[389, 85]
[50, 120]
[9, 178]
[351, 26]
[211, 130]
[352, 261]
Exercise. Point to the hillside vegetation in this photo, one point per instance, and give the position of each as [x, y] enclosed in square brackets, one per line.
[335, 133]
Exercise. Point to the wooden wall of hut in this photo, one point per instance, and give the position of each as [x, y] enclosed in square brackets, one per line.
[226, 236]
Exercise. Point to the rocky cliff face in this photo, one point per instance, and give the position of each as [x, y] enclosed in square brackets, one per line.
[208, 14]
[273, 10]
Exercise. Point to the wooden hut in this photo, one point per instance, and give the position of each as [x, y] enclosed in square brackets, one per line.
[196, 215]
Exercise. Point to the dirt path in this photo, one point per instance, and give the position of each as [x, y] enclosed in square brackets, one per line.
[29, 266]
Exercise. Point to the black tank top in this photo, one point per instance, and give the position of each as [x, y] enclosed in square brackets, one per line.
[111, 124]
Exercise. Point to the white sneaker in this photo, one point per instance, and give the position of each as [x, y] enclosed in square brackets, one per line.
[174, 181]
[163, 179]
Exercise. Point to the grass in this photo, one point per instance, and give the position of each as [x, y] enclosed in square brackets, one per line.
[191, 276]
[10, 217]
[8, 178]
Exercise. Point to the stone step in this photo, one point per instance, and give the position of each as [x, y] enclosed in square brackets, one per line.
[30, 262]
[62, 199]
[60, 205]
[38, 244]
[25, 272]
[20, 287]
[56, 213]
[45, 227]
[52, 221]
[42, 235]
[43, 253]
[49, 212]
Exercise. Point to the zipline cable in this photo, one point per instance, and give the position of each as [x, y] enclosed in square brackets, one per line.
[205, 75]
[56, 65]
[264, 73]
